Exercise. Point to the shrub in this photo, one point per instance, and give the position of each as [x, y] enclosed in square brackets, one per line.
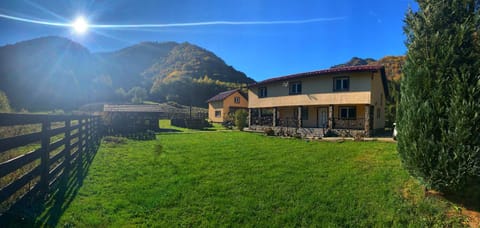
[114, 140]
[269, 132]
[241, 119]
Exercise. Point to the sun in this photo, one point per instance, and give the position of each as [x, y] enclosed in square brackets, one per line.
[80, 25]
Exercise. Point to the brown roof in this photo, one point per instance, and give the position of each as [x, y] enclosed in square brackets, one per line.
[221, 96]
[362, 68]
[133, 108]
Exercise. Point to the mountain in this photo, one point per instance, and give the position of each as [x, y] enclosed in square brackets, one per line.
[355, 61]
[46, 71]
[393, 65]
[55, 72]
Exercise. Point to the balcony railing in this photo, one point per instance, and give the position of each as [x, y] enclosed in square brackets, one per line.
[338, 123]
[262, 120]
[358, 124]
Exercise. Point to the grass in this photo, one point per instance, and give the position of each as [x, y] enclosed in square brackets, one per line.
[245, 179]
[166, 125]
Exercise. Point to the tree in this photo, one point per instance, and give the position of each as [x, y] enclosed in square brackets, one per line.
[4, 103]
[137, 94]
[240, 119]
[439, 111]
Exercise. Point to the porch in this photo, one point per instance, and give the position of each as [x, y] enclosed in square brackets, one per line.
[314, 120]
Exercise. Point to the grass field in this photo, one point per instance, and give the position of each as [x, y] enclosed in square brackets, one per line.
[237, 178]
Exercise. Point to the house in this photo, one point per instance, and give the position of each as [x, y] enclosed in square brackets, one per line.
[224, 104]
[346, 100]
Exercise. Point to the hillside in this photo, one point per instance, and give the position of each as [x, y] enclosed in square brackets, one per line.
[393, 65]
[355, 61]
[47, 71]
[55, 72]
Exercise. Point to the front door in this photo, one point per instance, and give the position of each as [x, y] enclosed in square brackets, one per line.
[322, 117]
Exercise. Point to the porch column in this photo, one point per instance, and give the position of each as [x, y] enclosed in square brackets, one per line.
[259, 112]
[367, 120]
[274, 117]
[299, 117]
[330, 117]
[249, 117]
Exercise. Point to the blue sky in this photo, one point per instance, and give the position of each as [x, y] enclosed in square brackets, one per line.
[344, 28]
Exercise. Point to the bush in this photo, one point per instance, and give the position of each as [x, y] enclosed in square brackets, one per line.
[269, 132]
[241, 119]
[4, 103]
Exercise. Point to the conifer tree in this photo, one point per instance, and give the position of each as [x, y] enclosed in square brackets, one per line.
[439, 111]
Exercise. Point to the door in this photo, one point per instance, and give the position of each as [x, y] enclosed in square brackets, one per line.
[322, 117]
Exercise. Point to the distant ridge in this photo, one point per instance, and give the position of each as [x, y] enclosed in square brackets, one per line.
[55, 72]
[393, 65]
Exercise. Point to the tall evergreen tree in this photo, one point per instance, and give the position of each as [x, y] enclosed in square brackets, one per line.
[439, 111]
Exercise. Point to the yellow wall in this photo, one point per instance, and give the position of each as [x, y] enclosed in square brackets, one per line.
[290, 112]
[315, 91]
[366, 88]
[378, 101]
[230, 102]
[224, 106]
[215, 106]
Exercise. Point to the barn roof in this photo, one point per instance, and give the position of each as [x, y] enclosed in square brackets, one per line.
[133, 108]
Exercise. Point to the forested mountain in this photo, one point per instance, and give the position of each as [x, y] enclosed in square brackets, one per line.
[393, 65]
[47, 71]
[355, 61]
[55, 72]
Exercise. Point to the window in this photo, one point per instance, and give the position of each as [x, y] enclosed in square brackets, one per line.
[295, 88]
[304, 113]
[218, 114]
[348, 113]
[341, 84]
[262, 92]
[237, 100]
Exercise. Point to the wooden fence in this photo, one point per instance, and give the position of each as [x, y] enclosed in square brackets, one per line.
[57, 144]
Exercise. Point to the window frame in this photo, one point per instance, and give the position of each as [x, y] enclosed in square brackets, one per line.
[262, 92]
[341, 79]
[236, 100]
[348, 108]
[298, 88]
[219, 112]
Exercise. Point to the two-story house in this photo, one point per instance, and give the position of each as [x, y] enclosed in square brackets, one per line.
[224, 104]
[336, 100]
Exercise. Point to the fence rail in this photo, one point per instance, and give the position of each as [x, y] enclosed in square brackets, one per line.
[61, 142]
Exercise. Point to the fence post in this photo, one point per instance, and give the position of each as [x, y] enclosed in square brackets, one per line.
[68, 132]
[45, 157]
[87, 136]
[80, 140]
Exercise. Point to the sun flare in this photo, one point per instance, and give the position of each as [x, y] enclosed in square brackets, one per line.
[80, 25]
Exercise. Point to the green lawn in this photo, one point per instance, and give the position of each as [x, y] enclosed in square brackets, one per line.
[246, 179]
[165, 124]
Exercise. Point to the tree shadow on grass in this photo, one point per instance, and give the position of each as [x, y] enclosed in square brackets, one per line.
[468, 197]
[45, 211]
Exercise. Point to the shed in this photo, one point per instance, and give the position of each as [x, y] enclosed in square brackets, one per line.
[132, 118]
